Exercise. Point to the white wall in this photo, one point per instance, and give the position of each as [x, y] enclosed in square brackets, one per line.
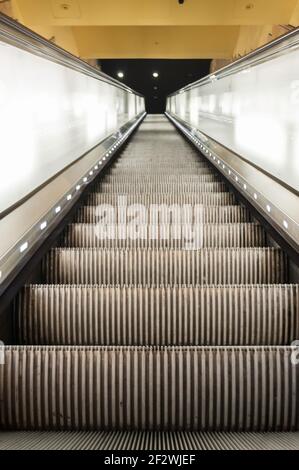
[254, 112]
[49, 116]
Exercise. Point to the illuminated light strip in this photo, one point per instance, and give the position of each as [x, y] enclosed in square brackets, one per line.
[23, 247]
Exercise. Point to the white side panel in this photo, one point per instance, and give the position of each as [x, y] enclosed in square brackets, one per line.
[50, 115]
[253, 110]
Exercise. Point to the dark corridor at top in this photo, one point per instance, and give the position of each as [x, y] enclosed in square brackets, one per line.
[140, 75]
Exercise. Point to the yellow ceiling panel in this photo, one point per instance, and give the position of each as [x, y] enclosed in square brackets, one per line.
[171, 42]
[66, 9]
[156, 12]
[197, 29]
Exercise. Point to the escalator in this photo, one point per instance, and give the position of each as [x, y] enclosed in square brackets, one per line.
[143, 340]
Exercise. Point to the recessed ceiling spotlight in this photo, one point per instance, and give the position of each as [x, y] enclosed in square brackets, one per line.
[155, 74]
[120, 74]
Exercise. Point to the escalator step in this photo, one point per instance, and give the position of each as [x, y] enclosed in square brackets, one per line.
[159, 170]
[207, 389]
[163, 236]
[156, 267]
[148, 188]
[213, 199]
[155, 179]
[148, 440]
[199, 315]
[210, 214]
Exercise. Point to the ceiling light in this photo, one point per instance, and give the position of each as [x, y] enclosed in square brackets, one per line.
[155, 74]
[120, 74]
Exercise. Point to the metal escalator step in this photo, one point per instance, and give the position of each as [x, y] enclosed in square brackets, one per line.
[148, 440]
[160, 171]
[210, 214]
[127, 163]
[213, 199]
[156, 267]
[171, 236]
[158, 179]
[187, 315]
[175, 155]
[194, 388]
[148, 188]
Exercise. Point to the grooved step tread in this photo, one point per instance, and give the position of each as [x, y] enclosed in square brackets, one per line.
[179, 315]
[210, 214]
[198, 235]
[157, 179]
[169, 388]
[148, 188]
[212, 199]
[164, 266]
[148, 440]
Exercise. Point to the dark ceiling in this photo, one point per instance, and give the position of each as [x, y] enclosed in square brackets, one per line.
[173, 74]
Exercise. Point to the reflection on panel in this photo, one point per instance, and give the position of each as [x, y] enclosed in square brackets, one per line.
[253, 111]
[49, 116]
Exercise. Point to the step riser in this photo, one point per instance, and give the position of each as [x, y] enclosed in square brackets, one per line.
[122, 388]
[246, 315]
[131, 188]
[162, 236]
[158, 179]
[157, 267]
[212, 199]
[212, 215]
[160, 171]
